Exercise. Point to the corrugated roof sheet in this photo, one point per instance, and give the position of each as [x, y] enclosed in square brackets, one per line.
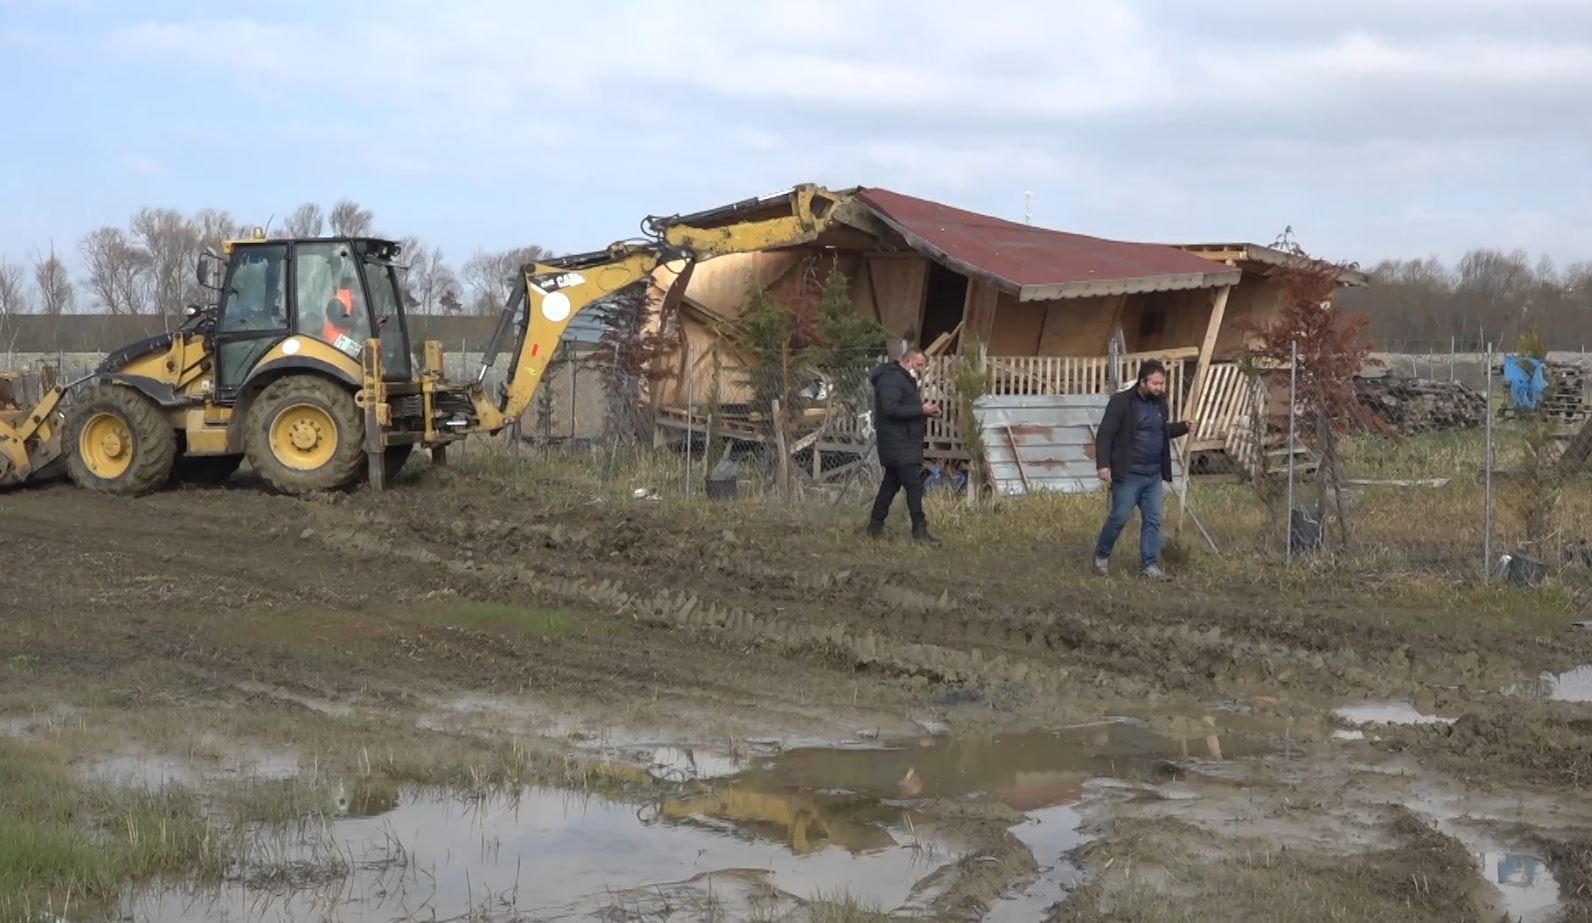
[1040, 264]
[1044, 442]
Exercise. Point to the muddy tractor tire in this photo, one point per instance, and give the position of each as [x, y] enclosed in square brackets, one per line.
[118, 441]
[305, 435]
[205, 470]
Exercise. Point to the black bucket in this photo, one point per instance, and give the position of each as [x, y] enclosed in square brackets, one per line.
[720, 482]
[1306, 530]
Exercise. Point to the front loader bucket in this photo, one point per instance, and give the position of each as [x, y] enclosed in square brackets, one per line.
[31, 426]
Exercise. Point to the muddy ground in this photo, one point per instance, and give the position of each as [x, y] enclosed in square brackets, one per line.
[468, 630]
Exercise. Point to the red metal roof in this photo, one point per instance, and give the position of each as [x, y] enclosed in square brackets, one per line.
[1039, 264]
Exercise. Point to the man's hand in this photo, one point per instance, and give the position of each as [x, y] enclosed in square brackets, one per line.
[931, 409]
[1105, 474]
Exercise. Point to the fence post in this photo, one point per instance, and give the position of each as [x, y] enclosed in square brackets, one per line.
[1293, 403]
[1487, 493]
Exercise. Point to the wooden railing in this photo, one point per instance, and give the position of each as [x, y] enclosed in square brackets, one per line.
[1224, 404]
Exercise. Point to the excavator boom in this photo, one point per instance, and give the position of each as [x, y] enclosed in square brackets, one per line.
[551, 293]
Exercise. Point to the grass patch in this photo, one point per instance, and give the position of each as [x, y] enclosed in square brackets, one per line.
[541, 623]
[61, 839]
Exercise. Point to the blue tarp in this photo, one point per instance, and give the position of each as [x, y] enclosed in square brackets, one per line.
[1526, 380]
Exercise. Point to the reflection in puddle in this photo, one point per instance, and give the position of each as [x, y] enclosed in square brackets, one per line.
[1387, 713]
[774, 827]
[549, 851]
[683, 764]
[1572, 686]
[1530, 892]
[1027, 771]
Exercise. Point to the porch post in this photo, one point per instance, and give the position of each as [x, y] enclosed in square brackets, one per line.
[1203, 363]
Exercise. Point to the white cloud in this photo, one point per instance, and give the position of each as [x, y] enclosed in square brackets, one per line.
[1135, 114]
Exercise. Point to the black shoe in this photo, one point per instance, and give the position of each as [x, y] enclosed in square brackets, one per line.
[875, 528]
[921, 533]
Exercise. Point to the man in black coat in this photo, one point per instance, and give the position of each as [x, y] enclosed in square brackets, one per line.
[899, 415]
[1133, 452]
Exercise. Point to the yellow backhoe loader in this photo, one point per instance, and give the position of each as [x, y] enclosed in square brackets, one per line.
[303, 365]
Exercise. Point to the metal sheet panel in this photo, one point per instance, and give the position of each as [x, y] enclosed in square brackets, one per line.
[1053, 438]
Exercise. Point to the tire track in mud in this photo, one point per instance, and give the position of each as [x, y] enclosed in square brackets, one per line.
[887, 628]
[953, 642]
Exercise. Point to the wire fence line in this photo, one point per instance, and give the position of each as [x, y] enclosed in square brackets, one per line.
[1473, 475]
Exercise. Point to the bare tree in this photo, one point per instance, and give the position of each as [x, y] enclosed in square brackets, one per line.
[214, 225]
[118, 271]
[13, 300]
[172, 244]
[350, 220]
[429, 278]
[490, 277]
[13, 289]
[306, 221]
[54, 283]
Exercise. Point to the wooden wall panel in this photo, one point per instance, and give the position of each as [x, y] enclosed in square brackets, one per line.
[899, 284]
[1018, 326]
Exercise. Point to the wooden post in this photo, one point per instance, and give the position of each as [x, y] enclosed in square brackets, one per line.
[1197, 391]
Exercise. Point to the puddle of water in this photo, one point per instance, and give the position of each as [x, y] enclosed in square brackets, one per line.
[874, 822]
[1027, 771]
[685, 764]
[1570, 686]
[1529, 891]
[1525, 885]
[1387, 713]
[152, 770]
[38, 722]
[551, 852]
[1050, 834]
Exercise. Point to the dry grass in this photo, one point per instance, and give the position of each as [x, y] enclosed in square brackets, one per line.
[1165, 871]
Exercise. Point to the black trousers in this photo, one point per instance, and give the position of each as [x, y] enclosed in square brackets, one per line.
[898, 477]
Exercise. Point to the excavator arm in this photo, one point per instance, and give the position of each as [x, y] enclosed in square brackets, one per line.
[550, 294]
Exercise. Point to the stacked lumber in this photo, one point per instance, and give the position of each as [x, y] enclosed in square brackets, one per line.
[1421, 405]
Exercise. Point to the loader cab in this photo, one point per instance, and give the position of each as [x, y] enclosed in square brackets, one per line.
[340, 291]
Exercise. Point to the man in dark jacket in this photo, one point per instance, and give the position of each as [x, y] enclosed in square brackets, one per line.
[1133, 452]
[899, 415]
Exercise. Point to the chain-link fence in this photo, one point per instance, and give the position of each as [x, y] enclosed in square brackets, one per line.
[1403, 473]
[789, 425]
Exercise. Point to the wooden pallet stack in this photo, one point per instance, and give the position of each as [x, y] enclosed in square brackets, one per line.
[1421, 405]
[1566, 397]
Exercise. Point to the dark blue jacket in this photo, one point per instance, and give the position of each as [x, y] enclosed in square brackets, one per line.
[1114, 440]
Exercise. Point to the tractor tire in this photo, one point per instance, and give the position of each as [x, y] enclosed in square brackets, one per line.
[118, 441]
[205, 470]
[306, 435]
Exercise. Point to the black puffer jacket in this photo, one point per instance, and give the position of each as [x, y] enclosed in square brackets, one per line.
[897, 415]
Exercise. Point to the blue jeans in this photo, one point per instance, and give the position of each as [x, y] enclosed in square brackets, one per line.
[1144, 492]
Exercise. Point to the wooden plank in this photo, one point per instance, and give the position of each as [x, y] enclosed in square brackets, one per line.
[978, 311]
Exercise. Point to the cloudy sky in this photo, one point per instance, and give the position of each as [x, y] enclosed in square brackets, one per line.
[1374, 127]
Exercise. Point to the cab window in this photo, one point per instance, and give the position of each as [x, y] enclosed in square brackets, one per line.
[331, 302]
[254, 299]
[389, 317]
